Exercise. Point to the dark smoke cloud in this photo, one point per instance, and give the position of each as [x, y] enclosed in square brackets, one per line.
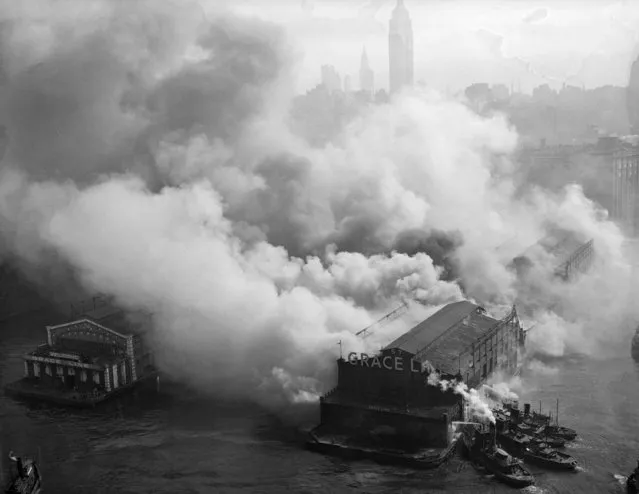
[439, 246]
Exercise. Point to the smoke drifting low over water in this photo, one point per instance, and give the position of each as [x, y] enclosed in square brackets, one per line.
[150, 159]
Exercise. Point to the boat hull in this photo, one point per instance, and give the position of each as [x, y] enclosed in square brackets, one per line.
[484, 462]
[525, 449]
[561, 465]
[552, 441]
[561, 433]
[521, 480]
[518, 482]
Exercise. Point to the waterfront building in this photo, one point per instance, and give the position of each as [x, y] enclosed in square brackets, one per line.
[86, 360]
[394, 389]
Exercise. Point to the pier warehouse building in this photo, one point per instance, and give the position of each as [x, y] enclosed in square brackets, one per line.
[98, 353]
[570, 254]
[391, 391]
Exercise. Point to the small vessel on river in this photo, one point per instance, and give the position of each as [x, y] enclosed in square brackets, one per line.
[538, 420]
[538, 435]
[25, 478]
[536, 425]
[535, 451]
[544, 456]
[484, 451]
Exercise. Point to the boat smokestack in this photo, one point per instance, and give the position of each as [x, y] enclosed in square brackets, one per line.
[527, 409]
[493, 436]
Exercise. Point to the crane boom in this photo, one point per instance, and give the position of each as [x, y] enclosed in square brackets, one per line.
[391, 316]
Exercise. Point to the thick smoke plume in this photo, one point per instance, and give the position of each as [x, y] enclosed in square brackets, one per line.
[149, 159]
[478, 406]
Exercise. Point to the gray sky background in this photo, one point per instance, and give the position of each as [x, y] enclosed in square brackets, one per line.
[458, 42]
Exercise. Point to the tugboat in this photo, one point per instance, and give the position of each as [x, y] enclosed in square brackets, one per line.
[560, 432]
[529, 425]
[540, 436]
[26, 479]
[544, 456]
[535, 451]
[516, 443]
[483, 449]
[539, 420]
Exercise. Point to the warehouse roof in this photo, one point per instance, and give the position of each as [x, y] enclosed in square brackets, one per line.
[443, 354]
[432, 329]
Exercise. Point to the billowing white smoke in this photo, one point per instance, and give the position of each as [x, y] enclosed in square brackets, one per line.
[158, 164]
[478, 406]
[499, 393]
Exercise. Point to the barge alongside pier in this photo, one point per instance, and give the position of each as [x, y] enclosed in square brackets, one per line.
[95, 357]
[385, 407]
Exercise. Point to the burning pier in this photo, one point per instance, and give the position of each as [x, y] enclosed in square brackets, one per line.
[387, 405]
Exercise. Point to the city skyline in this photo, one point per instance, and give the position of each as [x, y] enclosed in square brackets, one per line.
[526, 43]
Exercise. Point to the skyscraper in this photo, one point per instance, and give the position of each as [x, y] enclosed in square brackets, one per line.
[366, 75]
[400, 48]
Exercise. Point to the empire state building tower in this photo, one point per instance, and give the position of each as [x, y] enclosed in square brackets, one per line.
[400, 48]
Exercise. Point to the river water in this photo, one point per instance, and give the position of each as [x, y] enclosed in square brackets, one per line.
[183, 443]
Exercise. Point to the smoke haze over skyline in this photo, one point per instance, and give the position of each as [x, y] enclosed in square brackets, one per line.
[457, 43]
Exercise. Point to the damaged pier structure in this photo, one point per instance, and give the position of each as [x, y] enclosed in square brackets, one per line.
[385, 407]
[569, 253]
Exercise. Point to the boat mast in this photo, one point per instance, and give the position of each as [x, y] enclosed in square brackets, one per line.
[557, 416]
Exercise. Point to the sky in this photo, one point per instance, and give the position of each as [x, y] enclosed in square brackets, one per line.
[458, 42]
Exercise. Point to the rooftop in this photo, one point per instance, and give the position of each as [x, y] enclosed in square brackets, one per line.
[443, 354]
[432, 329]
[111, 317]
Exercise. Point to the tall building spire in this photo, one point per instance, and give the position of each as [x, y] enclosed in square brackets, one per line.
[400, 48]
